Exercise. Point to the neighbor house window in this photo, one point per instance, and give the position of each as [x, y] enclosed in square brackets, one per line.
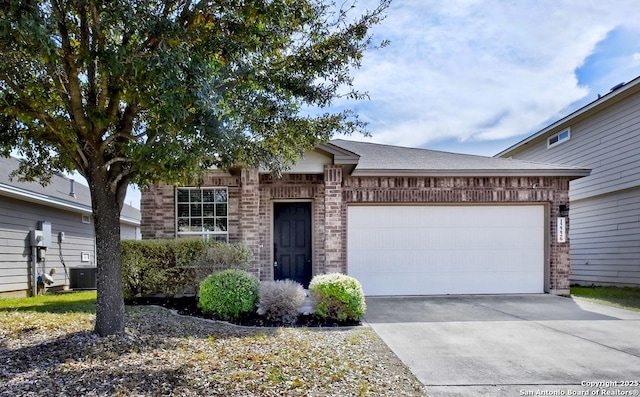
[202, 212]
[563, 136]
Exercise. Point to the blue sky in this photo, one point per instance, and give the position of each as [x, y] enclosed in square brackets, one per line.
[476, 77]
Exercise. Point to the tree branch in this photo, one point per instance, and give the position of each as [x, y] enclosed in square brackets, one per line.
[126, 121]
[34, 112]
[54, 74]
[118, 135]
[124, 128]
[85, 53]
[99, 46]
[81, 161]
[151, 137]
[114, 94]
[182, 19]
[116, 160]
[121, 178]
[73, 82]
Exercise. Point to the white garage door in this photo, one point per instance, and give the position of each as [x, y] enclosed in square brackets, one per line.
[431, 250]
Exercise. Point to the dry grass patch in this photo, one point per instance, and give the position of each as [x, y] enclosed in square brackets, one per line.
[165, 354]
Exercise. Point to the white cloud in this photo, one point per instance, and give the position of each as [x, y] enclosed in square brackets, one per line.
[480, 70]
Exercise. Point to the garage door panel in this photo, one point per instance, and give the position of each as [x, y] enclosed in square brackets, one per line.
[430, 238]
[443, 284]
[452, 216]
[464, 261]
[499, 250]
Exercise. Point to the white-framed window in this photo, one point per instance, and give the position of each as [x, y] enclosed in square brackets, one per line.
[202, 212]
[86, 218]
[558, 138]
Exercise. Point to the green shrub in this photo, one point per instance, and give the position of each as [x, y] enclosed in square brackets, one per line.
[281, 300]
[229, 293]
[149, 267]
[338, 297]
[170, 267]
[221, 256]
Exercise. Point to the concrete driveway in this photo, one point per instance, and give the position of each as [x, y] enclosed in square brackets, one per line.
[515, 345]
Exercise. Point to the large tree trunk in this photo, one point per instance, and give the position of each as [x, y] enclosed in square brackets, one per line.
[107, 205]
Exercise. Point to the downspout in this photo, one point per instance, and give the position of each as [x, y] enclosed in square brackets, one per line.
[34, 270]
[260, 245]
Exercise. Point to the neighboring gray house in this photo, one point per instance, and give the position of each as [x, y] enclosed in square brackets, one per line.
[66, 206]
[605, 206]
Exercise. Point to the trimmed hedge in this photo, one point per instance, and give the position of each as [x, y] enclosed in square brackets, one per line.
[338, 297]
[170, 267]
[229, 293]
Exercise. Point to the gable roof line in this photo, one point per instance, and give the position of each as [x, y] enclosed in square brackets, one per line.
[54, 194]
[33, 197]
[388, 160]
[26, 195]
[340, 155]
[606, 100]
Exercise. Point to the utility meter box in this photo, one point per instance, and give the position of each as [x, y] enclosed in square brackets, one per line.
[37, 240]
[42, 236]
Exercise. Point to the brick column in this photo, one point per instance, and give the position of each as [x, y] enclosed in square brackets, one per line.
[559, 257]
[158, 210]
[249, 215]
[334, 220]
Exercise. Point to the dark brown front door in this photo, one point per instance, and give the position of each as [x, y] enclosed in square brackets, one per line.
[292, 242]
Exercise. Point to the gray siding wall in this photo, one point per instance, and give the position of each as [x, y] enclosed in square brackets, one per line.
[128, 232]
[605, 206]
[605, 239]
[607, 143]
[17, 218]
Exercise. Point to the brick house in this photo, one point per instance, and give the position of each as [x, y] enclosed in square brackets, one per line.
[403, 221]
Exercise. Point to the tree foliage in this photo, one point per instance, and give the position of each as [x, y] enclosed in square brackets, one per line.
[147, 90]
[158, 89]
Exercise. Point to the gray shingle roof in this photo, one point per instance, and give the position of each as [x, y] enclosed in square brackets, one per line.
[55, 193]
[387, 160]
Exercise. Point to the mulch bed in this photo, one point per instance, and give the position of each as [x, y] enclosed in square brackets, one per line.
[188, 306]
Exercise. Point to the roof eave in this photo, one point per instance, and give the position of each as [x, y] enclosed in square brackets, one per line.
[606, 100]
[340, 155]
[574, 173]
[37, 198]
[26, 195]
[129, 221]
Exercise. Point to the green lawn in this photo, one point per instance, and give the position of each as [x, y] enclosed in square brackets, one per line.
[68, 302]
[64, 312]
[623, 297]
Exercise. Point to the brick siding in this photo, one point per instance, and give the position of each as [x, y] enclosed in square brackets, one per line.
[292, 187]
[158, 212]
[251, 198]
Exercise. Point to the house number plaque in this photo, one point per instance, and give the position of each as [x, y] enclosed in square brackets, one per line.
[562, 230]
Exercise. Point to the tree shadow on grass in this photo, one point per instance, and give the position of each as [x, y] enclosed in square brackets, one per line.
[107, 381]
[81, 363]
